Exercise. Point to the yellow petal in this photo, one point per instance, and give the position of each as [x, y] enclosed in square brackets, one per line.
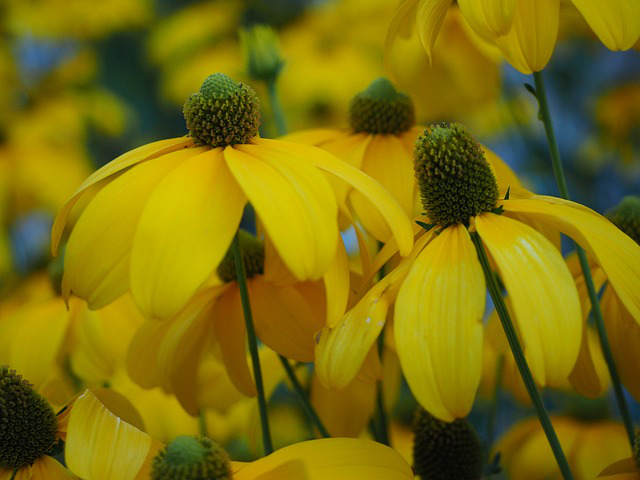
[96, 263]
[346, 412]
[616, 22]
[614, 251]
[530, 42]
[429, 19]
[183, 233]
[621, 470]
[146, 152]
[142, 355]
[387, 161]
[489, 18]
[543, 296]
[590, 377]
[47, 468]
[396, 219]
[402, 24]
[601, 443]
[100, 446]
[438, 324]
[336, 285]
[294, 202]
[285, 320]
[230, 332]
[329, 459]
[505, 176]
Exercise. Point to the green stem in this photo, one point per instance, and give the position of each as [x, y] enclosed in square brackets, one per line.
[253, 343]
[521, 362]
[202, 422]
[558, 170]
[276, 107]
[382, 421]
[493, 412]
[15, 472]
[311, 413]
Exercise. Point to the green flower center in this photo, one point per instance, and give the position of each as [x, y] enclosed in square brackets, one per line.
[455, 180]
[191, 458]
[27, 422]
[381, 109]
[252, 251]
[636, 450]
[223, 112]
[445, 451]
[626, 216]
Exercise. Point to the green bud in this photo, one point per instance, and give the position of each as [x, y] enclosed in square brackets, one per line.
[381, 109]
[252, 253]
[626, 216]
[191, 458]
[455, 180]
[223, 112]
[262, 55]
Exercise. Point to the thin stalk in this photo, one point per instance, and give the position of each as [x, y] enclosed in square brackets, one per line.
[493, 412]
[276, 107]
[558, 170]
[202, 422]
[521, 362]
[311, 413]
[241, 276]
[382, 421]
[15, 472]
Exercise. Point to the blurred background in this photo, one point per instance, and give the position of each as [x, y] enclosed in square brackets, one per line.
[82, 82]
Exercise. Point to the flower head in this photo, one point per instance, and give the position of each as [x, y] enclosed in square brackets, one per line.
[439, 289]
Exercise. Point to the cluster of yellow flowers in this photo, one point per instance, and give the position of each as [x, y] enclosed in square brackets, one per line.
[192, 271]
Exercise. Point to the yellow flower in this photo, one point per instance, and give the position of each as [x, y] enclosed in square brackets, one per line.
[162, 216]
[29, 432]
[100, 446]
[379, 141]
[525, 31]
[627, 468]
[440, 286]
[589, 446]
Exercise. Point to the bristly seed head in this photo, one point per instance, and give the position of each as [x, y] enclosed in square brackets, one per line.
[636, 450]
[191, 458]
[455, 180]
[223, 112]
[445, 451]
[381, 109]
[626, 216]
[28, 424]
[252, 253]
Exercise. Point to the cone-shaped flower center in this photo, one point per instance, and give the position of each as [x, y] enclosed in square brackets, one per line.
[381, 109]
[445, 451]
[27, 422]
[223, 112]
[626, 216]
[455, 180]
[252, 253]
[191, 458]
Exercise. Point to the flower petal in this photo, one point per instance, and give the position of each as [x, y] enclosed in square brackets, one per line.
[438, 324]
[183, 233]
[402, 24]
[529, 44]
[294, 202]
[337, 285]
[615, 252]
[543, 295]
[429, 19]
[388, 207]
[47, 468]
[329, 459]
[285, 319]
[622, 470]
[100, 446]
[489, 18]
[96, 263]
[146, 152]
[616, 22]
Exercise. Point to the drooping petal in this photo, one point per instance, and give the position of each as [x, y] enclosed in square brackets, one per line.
[543, 296]
[590, 377]
[285, 320]
[183, 233]
[47, 468]
[387, 161]
[294, 202]
[96, 263]
[616, 22]
[101, 446]
[336, 285]
[489, 18]
[530, 42]
[601, 443]
[391, 211]
[615, 252]
[621, 470]
[146, 152]
[438, 324]
[429, 19]
[505, 176]
[329, 459]
[402, 24]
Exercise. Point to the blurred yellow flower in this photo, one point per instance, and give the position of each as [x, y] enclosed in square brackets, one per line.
[134, 233]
